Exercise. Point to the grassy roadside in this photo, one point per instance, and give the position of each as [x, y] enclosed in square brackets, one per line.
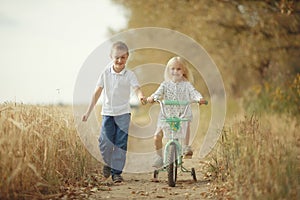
[257, 158]
[40, 152]
[42, 157]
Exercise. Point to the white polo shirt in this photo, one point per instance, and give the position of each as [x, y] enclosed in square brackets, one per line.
[116, 91]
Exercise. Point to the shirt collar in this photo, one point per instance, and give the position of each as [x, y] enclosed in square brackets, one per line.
[120, 73]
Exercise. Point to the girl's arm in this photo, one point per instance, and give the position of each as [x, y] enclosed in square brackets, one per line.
[195, 94]
[157, 94]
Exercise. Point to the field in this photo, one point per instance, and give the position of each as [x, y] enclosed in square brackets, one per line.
[41, 153]
[42, 157]
[256, 46]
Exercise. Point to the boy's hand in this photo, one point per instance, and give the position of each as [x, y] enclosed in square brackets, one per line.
[150, 99]
[143, 100]
[85, 118]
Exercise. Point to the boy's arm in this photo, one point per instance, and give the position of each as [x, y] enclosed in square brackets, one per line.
[140, 94]
[94, 100]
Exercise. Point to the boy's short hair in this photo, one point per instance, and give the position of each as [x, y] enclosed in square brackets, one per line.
[119, 45]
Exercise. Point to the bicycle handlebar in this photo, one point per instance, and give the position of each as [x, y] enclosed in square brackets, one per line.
[175, 102]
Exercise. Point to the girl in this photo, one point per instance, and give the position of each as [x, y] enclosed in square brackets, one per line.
[177, 86]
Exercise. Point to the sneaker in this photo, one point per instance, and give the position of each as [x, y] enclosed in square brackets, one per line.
[117, 178]
[187, 151]
[159, 162]
[106, 171]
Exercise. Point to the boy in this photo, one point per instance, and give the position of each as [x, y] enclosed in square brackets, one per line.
[115, 83]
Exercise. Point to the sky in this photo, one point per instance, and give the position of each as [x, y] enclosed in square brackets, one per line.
[44, 43]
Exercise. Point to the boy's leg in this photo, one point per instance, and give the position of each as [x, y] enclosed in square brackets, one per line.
[106, 140]
[119, 152]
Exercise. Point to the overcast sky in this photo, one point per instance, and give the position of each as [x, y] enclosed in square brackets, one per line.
[43, 44]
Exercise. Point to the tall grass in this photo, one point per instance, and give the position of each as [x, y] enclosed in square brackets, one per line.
[40, 151]
[258, 159]
[273, 98]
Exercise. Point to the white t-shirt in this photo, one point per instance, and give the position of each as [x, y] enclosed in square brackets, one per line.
[116, 91]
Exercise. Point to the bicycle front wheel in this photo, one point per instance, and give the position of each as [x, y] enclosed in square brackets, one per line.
[172, 165]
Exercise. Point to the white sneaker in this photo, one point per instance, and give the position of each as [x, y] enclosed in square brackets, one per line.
[187, 151]
[158, 162]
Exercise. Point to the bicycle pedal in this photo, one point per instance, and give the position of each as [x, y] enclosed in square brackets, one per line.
[187, 156]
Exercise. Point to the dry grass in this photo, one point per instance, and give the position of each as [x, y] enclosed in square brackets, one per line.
[40, 151]
[41, 155]
[258, 158]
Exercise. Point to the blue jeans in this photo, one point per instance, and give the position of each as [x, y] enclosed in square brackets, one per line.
[113, 141]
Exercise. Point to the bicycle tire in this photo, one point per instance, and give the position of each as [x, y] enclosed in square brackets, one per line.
[172, 165]
[155, 174]
[193, 173]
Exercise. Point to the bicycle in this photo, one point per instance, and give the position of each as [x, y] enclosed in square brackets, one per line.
[173, 154]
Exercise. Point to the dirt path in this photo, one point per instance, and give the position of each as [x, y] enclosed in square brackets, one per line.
[138, 173]
[142, 186]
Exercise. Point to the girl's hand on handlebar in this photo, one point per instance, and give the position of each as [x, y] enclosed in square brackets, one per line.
[203, 101]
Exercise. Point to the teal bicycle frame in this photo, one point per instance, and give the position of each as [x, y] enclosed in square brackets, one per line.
[173, 157]
[174, 123]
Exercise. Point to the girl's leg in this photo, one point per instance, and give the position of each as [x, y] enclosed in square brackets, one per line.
[187, 150]
[158, 135]
[187, 136]
[158, 162]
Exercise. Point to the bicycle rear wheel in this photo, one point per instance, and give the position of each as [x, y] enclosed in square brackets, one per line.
[172, 165]
[193, 173]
